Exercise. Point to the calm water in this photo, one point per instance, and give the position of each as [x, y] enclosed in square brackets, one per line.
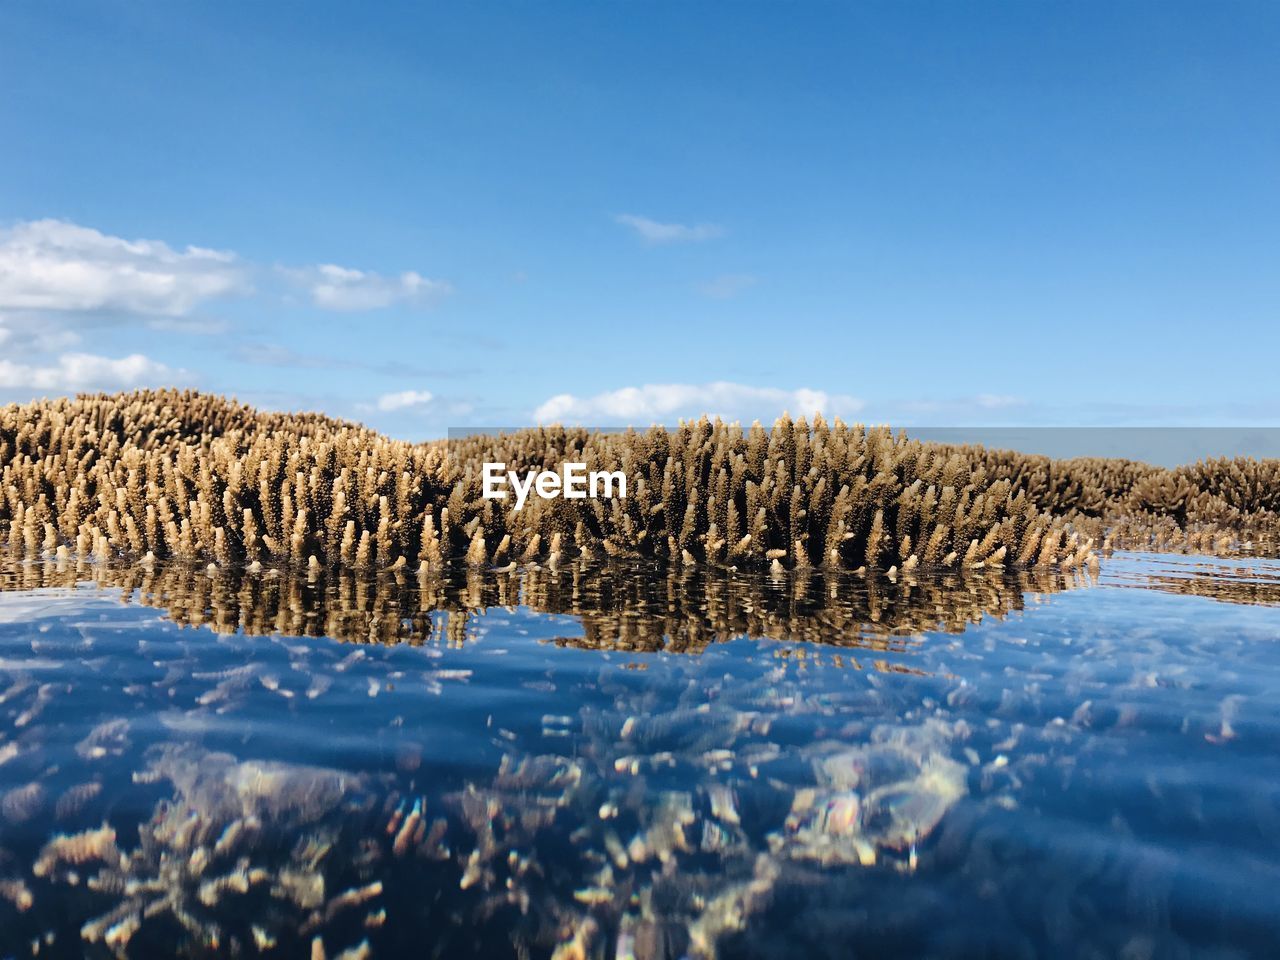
[622, 763]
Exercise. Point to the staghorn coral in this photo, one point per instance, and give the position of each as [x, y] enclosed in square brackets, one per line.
[20, 804]
[17, 893]
[674, 874]
[77, 849]
[210, 843]
[885, 794]
[1223, 507]
[195, 477]
[169, 474]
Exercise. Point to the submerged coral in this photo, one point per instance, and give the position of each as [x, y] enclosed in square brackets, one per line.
[886, 794]
[216, 840]
[570, 853]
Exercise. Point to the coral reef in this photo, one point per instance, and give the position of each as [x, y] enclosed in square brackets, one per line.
[207, 845]
[189, 476]
[195, 477]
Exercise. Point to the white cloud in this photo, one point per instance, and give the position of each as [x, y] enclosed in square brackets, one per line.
[658, 402]
[53, 265]
[726, 286]
[52, 271]
[63, 286]
[332, 287]
[404, 399]
[86, 371]
[652, 231]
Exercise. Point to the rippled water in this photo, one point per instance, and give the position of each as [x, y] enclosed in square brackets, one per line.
[627, 763]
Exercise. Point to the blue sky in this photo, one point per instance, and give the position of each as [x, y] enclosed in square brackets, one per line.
[441, 215]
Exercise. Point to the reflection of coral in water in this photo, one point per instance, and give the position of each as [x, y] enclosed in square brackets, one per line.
[1259, 591]
[620, 606]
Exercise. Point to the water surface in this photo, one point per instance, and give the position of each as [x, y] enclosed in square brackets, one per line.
[634, 763]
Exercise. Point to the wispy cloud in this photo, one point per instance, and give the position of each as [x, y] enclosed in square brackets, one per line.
[404, 399]
[72, 372]
[259, 354]
[275, 355]
[53, 265]
[199, 326]
[654, 231]
[332, 287]
[31, 333]
[661, 402]
[423, 406]
[727, 285]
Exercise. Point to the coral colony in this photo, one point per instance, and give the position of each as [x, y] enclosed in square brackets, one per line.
[193, 477]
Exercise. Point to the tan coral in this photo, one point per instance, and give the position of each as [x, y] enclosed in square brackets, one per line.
[77, 849]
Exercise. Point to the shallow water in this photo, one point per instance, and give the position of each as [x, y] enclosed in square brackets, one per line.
[622, 763]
